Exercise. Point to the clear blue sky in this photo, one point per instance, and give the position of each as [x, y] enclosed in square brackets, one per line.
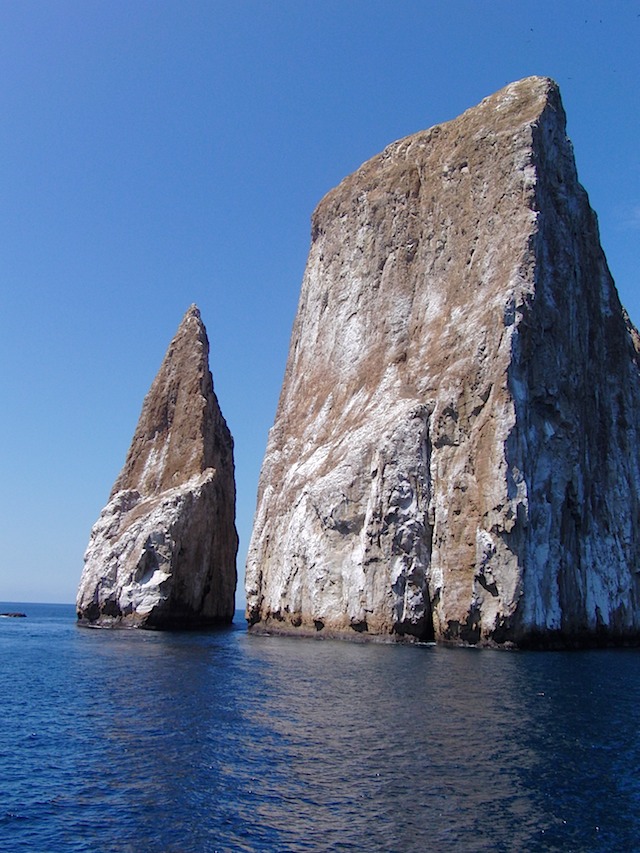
[155, 154]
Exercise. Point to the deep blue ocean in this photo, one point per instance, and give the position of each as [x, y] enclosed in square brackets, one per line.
[142, 741]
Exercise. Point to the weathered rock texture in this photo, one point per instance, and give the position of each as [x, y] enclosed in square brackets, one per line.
[163, 552]
[455, 451]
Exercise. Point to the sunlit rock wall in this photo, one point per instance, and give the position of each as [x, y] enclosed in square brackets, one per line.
[454, 455]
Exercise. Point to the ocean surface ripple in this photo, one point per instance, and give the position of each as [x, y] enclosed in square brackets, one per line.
[179, 742]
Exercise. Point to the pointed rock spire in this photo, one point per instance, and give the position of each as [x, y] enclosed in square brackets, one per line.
[163, 552]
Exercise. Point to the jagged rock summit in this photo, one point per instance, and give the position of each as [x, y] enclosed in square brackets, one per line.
[455, 450]
[163, 552]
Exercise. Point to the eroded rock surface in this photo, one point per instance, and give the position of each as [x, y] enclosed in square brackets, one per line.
[455, 451]
[163, 552]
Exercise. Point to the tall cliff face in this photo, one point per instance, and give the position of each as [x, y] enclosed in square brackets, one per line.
[455, 451]
[163, 552]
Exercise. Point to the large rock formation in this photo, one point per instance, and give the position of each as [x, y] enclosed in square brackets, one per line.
[163, 552]
[455, 451]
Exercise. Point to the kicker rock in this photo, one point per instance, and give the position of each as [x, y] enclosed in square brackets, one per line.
[163, 552]
[455, 450]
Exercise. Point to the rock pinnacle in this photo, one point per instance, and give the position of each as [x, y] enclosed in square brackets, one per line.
[162, 554]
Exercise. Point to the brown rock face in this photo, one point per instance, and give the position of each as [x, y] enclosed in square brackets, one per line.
[163, 552]
[455, 451]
